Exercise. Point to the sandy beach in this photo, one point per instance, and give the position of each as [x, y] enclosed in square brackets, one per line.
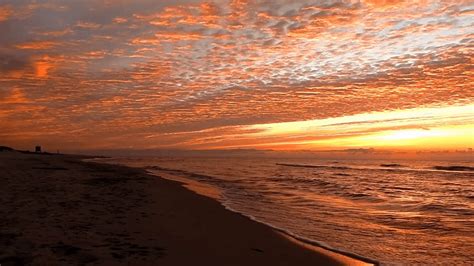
[58, 210]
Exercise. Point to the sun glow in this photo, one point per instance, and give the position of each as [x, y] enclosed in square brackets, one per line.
[413, 134]
[435, 138]
[419, 128]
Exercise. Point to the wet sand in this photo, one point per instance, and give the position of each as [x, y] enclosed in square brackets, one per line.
[57, 210]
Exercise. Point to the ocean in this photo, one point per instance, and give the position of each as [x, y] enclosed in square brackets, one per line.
[401, 212]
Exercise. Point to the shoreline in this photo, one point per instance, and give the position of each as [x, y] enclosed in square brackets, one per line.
[200, 189]
[61, 210]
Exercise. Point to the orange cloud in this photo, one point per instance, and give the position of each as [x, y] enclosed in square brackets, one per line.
[16, 96]
[41, 69]
[198, 74]
[384, 2]
[87, 25]
[58, 33]
[120, 20]
[44, 65]
[37, 45]
[5, 13]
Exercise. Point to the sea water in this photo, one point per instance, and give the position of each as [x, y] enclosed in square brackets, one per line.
[395, 212]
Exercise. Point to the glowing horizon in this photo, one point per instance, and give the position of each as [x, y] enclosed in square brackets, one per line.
[220, 74]
[402, 129]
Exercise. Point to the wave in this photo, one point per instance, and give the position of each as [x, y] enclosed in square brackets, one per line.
[314, 166]
[304, 240]
[386, 167]
[209, 179]
[186, 173]
[309, 241]
[461, 168]
[392, 165]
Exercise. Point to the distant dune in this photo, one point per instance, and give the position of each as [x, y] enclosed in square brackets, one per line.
[5, 148]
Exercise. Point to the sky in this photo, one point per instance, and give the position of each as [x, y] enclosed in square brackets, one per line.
[230, 74]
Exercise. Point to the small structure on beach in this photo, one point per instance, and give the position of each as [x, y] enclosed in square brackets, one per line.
[38, 149]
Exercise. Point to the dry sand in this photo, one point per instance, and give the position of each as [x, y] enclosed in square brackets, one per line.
[58, 210]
